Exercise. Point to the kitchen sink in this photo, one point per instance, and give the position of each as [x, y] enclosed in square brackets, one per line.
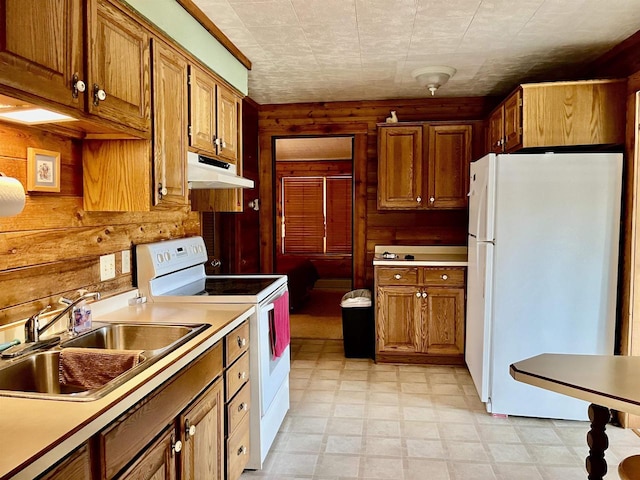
[37, 375]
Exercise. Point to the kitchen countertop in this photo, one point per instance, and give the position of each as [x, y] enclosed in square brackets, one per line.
[425, 256]
[41, 432]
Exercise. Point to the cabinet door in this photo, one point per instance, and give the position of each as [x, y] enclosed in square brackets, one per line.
[170, 111]
[157, 462]
[227, 123]
[41, 48]
[397, 319]
[77, 466]
[443, 320]
[203, 433]
[449, 158]
[513, 121]
[495, 133]
[118, 61]
[400, 184]
[202, 102]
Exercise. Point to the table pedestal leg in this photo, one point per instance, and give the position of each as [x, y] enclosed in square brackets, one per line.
[597, 441]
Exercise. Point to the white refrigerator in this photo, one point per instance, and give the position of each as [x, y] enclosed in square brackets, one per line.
[542, 275]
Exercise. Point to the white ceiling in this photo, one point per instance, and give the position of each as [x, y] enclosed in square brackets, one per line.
[330, 50]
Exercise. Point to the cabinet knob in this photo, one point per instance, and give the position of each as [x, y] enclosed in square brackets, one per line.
[432, 199]
[397, 276]
[241, 341]
[176, 447]
[444, 276]
[99, 95]
[242, 406]
[77, 85]
[215, 263]
[424, 294]
[418, 294]
[162, 190]
[419, 199]
[190, 430]
[242, 375]
[242, 450]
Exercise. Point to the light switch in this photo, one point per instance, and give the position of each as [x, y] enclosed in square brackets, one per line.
[126, 261]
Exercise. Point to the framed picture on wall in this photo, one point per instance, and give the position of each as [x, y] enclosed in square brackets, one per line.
[43, 170]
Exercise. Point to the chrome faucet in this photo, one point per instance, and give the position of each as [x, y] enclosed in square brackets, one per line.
[32, 329]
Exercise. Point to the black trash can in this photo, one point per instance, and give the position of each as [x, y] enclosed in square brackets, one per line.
[357, 324]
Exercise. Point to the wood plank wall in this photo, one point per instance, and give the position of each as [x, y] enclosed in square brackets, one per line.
[53, 247]
[360, 119]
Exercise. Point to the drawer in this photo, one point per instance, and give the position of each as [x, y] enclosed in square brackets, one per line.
[443, 277]
[237, 375]
[236, 343]
[239, 407]
[397, 276]
[238, 450]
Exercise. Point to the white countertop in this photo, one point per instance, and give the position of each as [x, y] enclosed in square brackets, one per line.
[41, 432]
[424, 256]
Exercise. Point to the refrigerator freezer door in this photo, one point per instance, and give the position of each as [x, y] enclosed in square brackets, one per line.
[482, 179]
[478, 329]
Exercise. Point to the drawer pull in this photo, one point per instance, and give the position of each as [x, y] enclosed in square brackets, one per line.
[444, 276]
[242, 375]
[424, 294]
[418, 294]
[241, 341]
[397, 276]
[242, 450]
[242, 406]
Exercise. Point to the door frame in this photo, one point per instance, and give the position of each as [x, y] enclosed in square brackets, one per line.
[267, 193]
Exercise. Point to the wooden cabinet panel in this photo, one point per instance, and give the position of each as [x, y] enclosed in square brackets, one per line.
[495, 131]
[449, 158]
[203, 452]
[77, 466]
[236, 343]
[202, 100]
[444, 277]
[118, 63]
[237, 375]
[400, 167]
[170, 112]
[397, 276]
[158, 462]
[398, 310]
[513, 121]
[444, 321]
[238, 450]
[41, 48]
[239, 407]
[227, 123]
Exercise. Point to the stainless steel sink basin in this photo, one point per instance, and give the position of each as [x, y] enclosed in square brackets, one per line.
[36, 375]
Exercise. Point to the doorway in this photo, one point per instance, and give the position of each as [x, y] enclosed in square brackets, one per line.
[313, 190]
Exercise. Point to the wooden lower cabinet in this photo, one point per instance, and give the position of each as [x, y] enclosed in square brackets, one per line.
[158, 462]
[76, 466]
[420, 315]
[203, 436]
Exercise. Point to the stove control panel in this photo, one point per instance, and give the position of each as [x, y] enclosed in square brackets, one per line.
[157, 259]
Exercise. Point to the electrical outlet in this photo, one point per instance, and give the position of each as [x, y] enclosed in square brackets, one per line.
[126, 261]
[107, 266]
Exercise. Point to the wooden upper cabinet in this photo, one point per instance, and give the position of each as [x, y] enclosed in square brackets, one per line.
[495, 131]
[559, 114]
[400, 167]
[513, 121]
[41, 48]
[449, 158]
[215, 117]
[423, 166]
[202, 100]
[227, 123]
[118, 66]
[170, 114]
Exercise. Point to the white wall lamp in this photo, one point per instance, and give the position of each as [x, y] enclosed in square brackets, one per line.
[433, 77]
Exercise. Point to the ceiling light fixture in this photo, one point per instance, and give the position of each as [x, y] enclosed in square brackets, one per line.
[433, 77]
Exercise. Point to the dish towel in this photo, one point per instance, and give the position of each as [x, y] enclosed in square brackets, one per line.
[89, 368]
[279, 326]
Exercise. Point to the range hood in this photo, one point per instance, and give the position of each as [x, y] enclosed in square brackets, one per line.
[208, 173]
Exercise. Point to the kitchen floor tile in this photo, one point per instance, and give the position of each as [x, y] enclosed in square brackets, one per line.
[352, 419]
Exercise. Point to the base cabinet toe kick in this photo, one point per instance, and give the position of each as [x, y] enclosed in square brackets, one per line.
[194, 426]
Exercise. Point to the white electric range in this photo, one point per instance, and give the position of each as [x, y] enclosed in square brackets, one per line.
[173, 271]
